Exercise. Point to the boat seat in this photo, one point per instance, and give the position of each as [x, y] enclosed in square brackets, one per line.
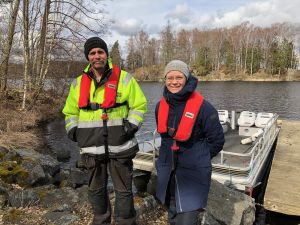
[262, 119]
[223, 116]
[246, 119]
[224, 119]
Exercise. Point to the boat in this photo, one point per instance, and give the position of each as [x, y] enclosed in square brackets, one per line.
[244, 161]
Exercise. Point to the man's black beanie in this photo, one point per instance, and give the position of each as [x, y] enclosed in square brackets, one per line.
[94, 42]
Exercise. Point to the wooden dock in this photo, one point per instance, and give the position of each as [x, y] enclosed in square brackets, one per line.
[283, 189]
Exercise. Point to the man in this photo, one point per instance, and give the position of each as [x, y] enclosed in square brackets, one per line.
[104, 109]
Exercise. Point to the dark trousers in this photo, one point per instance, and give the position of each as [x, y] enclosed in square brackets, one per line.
[121, 174]
[174, 218]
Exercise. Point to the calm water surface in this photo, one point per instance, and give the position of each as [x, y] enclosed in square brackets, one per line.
[282, 98]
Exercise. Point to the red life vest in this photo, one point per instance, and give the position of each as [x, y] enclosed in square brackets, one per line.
[187, 120]
[110, 91]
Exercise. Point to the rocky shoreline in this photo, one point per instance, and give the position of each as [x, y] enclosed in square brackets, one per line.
[38, 184]
[34, 189]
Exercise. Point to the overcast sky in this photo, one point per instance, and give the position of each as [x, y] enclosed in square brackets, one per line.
[131, 16]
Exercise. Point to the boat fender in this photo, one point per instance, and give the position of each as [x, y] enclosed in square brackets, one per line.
[251, 138]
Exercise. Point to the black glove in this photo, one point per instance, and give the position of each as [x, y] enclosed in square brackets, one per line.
[130, 129]
[72, 134]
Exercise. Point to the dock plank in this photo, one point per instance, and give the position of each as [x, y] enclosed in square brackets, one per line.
[283, 189]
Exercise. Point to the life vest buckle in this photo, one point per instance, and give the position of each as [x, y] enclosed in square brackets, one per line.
[94, 106]
[104, 116]
[171, 131]
[174, 146]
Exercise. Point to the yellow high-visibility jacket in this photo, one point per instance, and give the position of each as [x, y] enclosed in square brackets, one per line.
[86, 126]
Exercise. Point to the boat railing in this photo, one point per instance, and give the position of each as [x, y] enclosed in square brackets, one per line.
[265, 142]
[145, 159]
[257, 151]
[148, 138]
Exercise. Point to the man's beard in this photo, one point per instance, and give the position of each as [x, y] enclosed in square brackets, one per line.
[99, 64]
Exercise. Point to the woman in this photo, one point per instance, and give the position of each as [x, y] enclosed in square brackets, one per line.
[191, 135]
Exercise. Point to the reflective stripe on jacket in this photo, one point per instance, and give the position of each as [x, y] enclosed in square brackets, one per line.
[131, 103]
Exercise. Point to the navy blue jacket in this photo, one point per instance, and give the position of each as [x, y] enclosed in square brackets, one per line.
[193, 167]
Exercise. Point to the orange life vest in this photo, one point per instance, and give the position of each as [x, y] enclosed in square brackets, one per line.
[187, 120]
[110, 91]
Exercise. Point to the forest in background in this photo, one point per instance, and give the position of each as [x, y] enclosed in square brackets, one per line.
[44, 39]
[245, 48]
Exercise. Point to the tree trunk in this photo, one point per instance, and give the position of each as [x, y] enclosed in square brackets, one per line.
[26, 49]
[42, 43]
[251, 64]
[7, 47]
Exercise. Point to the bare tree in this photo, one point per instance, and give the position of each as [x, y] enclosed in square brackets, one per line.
[183, 46]
[61, 27]
[7, 47]
[26, 49]
[167, 44]
[141, 41]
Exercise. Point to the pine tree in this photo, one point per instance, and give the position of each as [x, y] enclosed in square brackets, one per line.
[115, 54]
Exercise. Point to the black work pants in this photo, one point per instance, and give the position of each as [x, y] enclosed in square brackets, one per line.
[121, 174]
[174, 218]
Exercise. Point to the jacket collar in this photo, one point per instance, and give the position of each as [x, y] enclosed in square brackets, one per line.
[104, 78]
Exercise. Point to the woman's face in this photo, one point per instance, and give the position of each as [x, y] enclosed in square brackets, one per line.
[175, 81]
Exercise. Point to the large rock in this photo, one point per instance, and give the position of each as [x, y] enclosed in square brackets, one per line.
[50, 165]
[59, 196]
[63, 154]
[36, 173]
[78, 177]
[3, 151]
[228, 207]
[23, 198]
[47, 196]
[225, 206]
[4, 189]
[28, 168]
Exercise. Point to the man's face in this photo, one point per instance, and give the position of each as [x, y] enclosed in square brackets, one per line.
[97, 58]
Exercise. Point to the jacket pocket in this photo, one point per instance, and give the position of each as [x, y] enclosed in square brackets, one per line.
[86, 161]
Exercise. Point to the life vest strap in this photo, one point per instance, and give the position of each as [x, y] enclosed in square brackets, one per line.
[95, 106]
[110, 91]
[171, 131]
[187, 120]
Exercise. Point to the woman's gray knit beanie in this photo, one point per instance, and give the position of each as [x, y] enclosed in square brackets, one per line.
[179, 66]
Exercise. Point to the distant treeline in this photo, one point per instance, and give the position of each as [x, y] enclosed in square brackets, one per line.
[241, 49]
[245, 49]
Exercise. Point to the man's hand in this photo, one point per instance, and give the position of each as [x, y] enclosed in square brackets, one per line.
[72, 134]
[130, 129]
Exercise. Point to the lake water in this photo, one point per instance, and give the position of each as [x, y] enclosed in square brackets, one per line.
[282, 98]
